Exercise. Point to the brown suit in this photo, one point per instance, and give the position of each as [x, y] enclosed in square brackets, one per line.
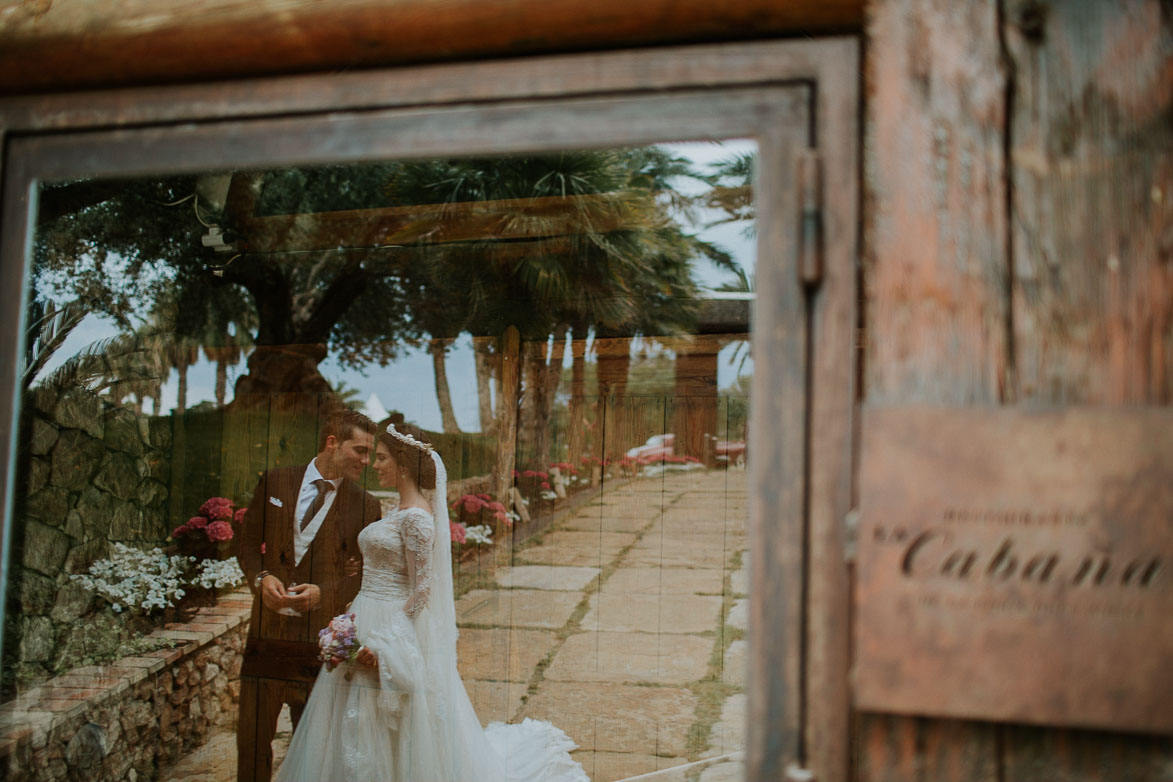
[281, 655]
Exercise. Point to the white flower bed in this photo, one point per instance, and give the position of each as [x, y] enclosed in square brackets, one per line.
[136, 580]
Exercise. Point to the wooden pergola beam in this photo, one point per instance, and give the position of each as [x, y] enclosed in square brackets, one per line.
[72, 44]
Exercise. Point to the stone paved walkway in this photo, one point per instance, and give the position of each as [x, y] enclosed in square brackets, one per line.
[624, 626]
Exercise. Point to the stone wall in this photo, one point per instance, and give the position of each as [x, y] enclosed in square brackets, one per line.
[134, 719]
[92, 473]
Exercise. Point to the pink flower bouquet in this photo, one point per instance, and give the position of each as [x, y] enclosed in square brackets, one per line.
[338, 642]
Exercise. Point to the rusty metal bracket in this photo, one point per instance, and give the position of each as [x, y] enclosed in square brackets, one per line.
[810, 229]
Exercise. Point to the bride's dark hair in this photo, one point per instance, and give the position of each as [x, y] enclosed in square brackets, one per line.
[415, 460]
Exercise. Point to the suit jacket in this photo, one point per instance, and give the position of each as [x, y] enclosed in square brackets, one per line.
[286, 647]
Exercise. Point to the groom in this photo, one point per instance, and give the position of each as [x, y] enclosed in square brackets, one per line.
[299, 552]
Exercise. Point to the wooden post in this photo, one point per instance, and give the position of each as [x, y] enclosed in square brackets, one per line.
[507, 423]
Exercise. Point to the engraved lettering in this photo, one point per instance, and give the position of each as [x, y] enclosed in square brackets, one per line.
[919, 542]
[1040, 568]
[1003, 564]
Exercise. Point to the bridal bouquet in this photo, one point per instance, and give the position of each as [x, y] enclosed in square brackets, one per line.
[338, 642]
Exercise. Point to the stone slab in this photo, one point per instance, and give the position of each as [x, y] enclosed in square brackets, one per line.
[573, 547]
[502, 654]
[739, 614]
[631, 657]
[729, 771]
[495, 701]
[728, 733]
[516, 607]
[616, 717]
[560, 578]
[609, 521]
[739, 581]
[618, 612]
[615, 766]
[664, 581]
[677, 552]
[733, 666]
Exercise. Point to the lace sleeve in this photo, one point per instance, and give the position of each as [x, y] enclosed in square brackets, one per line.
[417, 532]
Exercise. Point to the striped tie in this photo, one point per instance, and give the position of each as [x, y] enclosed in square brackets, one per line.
[324, 488]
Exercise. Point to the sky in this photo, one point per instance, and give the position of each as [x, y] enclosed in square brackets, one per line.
[408, 385]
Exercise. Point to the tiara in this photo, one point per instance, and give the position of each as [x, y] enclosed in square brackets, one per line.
[408, 439]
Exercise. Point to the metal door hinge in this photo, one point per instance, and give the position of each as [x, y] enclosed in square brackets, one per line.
[810, 229]
[850, 535]
[797, 774]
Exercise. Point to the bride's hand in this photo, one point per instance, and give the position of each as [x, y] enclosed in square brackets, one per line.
[366, 657]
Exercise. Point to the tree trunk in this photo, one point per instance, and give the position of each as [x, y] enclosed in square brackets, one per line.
[221, 381]
[283, 369]
[532, 425]
[482, 353]
[577, 419]
[181, 393]
[552, 376]
[507, 419]
[439, 349]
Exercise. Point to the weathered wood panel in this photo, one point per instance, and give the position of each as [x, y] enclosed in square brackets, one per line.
[1091, 160]
[1018, 172]
[935, 204]
[72, 43]
[834, 319]
[935, 304]
[1091, 139]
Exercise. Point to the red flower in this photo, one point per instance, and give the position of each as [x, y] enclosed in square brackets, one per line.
[218, 508]
[219, 530]
[238, 517]
[197, 522]
[457, 530]
[182, 529]
[262, 547]
[545, 485]
[485, 497]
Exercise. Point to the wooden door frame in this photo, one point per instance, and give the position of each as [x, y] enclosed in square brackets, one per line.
[804, 344]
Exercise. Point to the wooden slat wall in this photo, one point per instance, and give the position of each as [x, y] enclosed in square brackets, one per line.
[1019, 250]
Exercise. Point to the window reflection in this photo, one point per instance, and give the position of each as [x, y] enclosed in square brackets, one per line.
[571, 333]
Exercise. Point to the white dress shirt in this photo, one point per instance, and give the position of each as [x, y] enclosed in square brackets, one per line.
[305, 497]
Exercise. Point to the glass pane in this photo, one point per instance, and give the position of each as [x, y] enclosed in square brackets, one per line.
[569, 334]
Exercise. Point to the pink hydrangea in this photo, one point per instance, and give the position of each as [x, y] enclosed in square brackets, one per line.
[485, 497]
[182, 529]
[197, 522]
[472, 503]
[219, 530]
[457, 531]
[218, 508]
[545, 485]
[238, 517]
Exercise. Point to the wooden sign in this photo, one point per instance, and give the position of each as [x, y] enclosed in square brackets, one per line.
[1017, 566]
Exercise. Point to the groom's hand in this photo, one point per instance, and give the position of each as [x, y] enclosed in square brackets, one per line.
[273, 593]
[304, 597]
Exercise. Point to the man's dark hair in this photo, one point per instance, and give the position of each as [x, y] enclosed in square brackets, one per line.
[342, 423]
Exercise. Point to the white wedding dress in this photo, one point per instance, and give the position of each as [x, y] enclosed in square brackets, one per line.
[411, 720]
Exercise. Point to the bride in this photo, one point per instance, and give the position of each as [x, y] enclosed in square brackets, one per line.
[399, 712]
